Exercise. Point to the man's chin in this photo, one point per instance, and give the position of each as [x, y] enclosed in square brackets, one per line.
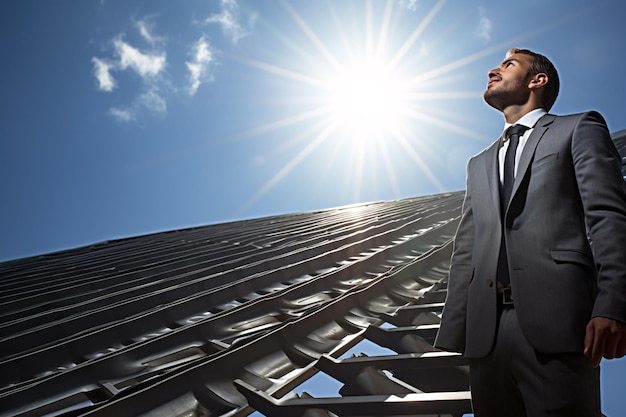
[489, 98]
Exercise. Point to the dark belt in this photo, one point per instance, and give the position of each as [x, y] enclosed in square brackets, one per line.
[505, 297]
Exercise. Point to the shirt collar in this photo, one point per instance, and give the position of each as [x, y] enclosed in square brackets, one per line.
[528, 120]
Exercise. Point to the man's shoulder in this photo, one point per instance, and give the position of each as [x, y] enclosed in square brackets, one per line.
[485, 151]
[573, 117]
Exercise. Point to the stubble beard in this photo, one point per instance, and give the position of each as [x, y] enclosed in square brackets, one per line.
[501, 96]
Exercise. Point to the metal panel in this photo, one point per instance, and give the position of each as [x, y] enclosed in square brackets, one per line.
[225, 319]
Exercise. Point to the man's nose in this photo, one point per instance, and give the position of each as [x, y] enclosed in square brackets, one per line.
[492, 73]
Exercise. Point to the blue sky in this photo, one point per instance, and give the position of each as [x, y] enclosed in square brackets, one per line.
[121, 118]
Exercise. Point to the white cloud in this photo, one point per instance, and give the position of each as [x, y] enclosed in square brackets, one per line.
[484, 25]
[228, 19]
[124, 115]
[152, 100]
[148, 65]
[199, 67]
[101, 70]
[144, 64]
[145, 30]
[146, 57]
[409, 4]
[254, 16]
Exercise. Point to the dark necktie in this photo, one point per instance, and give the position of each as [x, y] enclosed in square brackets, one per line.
[513, 133]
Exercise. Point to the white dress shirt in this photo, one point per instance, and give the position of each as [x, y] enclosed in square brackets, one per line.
[528, 120]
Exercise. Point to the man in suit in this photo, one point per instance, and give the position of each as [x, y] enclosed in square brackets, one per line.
[537, 284]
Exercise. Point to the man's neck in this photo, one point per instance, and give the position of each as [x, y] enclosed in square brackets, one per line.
[513, 113]
[529, 119]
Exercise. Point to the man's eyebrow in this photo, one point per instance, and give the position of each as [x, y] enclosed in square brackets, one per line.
[506, 61]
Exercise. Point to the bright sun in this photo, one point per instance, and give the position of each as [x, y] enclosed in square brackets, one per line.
[358, 94]
[366, 100]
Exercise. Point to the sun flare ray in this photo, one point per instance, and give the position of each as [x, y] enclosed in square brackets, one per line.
[415, 35]
[375, 99]
[389, 168]
[312, 37]
[289, 166]
[283, 72]
[402, 140]
[369, 29]
[451, 127]
[384, 30]
[297, 118]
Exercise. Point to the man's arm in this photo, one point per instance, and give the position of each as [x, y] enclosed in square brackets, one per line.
[452, 332]
[603, 194]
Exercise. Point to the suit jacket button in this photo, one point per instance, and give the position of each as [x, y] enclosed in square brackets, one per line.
[490, 282]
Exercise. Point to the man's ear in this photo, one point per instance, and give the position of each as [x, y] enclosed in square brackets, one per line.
[538, 80]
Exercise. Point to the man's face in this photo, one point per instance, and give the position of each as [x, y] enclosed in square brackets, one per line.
[508, 83]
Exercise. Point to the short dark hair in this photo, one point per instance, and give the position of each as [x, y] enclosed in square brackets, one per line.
[541, 64]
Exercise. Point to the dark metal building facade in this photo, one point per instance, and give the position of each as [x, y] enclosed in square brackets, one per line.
[236, 319]
[227, 319]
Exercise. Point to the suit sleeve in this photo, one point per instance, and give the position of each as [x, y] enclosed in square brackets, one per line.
[452, 332]
[597, 166]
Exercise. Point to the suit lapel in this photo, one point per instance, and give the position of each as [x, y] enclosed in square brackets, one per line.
[541, 127]
[493, 177]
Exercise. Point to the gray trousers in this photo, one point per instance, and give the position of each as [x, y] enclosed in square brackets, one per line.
[516, 381]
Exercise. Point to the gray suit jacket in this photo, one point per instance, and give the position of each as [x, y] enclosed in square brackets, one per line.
[568, 192]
